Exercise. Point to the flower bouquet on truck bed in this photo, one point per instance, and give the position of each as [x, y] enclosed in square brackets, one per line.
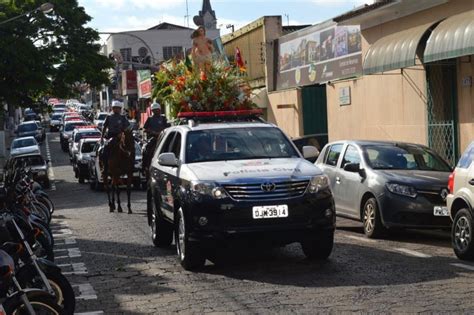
[220, 87]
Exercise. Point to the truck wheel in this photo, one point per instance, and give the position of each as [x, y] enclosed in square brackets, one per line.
[319, 248]
[461, 235]
[161, 231]
[189, 253]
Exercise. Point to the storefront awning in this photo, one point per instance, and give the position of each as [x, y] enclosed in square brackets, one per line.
[453, 37]
[394, 51]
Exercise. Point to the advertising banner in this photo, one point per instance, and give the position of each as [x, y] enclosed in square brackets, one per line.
[319, 54]
[129, 82]
[144, 83]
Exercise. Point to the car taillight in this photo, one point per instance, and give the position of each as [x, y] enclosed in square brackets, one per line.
[451, 183]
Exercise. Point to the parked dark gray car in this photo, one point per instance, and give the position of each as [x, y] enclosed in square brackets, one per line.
[387, 184]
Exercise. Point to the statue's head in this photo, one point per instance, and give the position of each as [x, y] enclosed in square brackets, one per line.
[201, 31]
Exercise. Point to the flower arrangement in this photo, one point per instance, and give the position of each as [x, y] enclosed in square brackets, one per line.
[220, 88]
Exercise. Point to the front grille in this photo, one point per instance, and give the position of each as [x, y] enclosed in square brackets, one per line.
[254, 191]
[433, 197]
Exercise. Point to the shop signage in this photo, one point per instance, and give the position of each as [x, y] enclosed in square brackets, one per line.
[319, 54]
[129, 82]
[144, 83]
[345, 95]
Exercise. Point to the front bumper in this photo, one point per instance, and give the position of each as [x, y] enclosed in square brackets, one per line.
[401, 211]
[230, 220]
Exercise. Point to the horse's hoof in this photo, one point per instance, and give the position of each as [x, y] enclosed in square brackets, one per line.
[120, 210]
[111, 210]
[130, 211]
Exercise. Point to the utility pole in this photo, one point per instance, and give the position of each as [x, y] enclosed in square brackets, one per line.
[187, 14]
[287, 19]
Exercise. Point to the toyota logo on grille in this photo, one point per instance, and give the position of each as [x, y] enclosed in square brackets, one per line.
[444, 193]
[268, 187]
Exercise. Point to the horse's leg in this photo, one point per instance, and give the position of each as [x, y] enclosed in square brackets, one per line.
[113, 192]
[107, 188]
[117, 186]
[129, 191]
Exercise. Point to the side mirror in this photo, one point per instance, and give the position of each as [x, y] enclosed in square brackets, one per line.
[168, 159]
[354, 168]
[310, 152]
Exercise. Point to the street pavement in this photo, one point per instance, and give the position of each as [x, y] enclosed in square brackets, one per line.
[112, 264]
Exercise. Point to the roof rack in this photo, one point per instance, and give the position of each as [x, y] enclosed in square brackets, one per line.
[251, 115]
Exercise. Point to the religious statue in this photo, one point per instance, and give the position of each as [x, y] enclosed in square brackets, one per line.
[202, 49]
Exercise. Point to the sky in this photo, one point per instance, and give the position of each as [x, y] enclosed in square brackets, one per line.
[127, 15]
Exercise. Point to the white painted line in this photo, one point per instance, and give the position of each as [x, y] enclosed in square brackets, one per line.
[468, 267]
[90, 313]
[69, 250]
[64, 232]
[77, 269]
[86, 290]
[71, 253]
[65, 242]
[360, 238]
[412, 253]
[50, 165]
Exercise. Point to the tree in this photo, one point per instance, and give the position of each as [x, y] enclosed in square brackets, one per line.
[47, 54]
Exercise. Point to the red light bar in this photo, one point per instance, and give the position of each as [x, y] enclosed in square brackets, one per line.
[73, 119]
[228, 113]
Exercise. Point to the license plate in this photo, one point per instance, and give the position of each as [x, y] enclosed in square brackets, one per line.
[440, 211]
[268, 212]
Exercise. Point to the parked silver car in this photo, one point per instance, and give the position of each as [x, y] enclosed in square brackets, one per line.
[387, 184]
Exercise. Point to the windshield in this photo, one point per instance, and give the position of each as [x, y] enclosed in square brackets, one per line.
[88, 147]
[27, 127]
[101, 117]
[56, 117]
[20, 143]
[59, 106]
[72, 126]
[35, 160]
[237, 144]
[404, 157]
[81, 135]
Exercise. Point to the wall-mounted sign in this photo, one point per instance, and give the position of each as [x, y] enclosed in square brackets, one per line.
[319, 54]
[467, 81]
[345, 96]
[129, 82]
[144, 83]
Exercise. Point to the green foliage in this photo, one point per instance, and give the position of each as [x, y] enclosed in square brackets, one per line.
[44, 54]
[222, 87]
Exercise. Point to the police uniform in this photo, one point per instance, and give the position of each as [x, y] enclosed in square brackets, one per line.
[115, 124]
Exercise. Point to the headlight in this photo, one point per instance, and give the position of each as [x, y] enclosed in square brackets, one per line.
[403, 190]
[318, 183]
[199, 189]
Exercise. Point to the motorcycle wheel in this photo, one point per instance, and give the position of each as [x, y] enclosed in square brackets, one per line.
[42, 304]
[43, 248]
[40, 210]
[46, 202]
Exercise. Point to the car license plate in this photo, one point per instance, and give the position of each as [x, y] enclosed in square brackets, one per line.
[268, 212]
[440, 211]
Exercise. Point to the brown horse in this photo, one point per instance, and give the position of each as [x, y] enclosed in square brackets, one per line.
[121, 162]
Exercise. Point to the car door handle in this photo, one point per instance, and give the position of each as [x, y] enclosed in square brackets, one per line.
[471, 182]
[338, 180]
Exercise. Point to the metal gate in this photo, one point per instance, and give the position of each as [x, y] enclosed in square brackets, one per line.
[442, 105]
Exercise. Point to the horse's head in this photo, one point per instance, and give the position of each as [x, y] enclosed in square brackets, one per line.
[127, 142]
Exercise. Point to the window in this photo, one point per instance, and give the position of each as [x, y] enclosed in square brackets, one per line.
[126, 54]
[351, 156]
[333, 154]
[166, 146]
[171, 52]
[176, 148]
[87, 147]
[467, 157]
[404, 157]
[237, 144]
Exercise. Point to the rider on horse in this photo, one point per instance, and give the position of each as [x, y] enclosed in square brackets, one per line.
[114, 124]
[153, 127]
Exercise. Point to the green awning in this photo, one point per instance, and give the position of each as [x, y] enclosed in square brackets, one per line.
[453, 37]
[394, 51]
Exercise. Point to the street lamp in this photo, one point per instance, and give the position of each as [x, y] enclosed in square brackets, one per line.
[45, 8]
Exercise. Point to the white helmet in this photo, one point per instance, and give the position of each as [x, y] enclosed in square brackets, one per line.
[155, 106]
[117, 104]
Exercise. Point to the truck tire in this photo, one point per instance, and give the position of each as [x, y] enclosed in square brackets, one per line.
[320, 247]
[189, 254]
